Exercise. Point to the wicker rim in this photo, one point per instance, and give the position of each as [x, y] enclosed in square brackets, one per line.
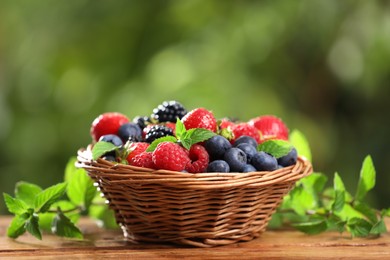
[130, 174]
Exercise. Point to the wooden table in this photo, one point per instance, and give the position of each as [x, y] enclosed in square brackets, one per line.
[99, 244]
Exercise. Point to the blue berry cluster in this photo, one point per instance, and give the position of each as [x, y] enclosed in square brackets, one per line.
[243, 156]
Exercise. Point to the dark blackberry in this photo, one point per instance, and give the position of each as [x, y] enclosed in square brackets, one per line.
[168, 111]
[157, 131]
[141, 121]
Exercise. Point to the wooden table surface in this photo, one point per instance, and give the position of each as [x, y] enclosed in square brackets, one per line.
[100, 243]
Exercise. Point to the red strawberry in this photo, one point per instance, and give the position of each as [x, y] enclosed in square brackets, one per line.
[144, 159]
[270, 127]
[170, 156]
[107, 123]
[226, 123]
[199, 159]
[136, 149]
[245, 129]
[200, 118]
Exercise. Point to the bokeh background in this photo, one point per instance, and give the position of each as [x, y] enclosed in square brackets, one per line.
[322, 66]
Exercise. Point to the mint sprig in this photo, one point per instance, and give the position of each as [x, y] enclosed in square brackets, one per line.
[277, 148]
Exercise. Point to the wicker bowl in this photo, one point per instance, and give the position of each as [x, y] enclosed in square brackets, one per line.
[202, 210]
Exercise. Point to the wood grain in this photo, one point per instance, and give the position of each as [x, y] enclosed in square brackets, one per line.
[103, 244]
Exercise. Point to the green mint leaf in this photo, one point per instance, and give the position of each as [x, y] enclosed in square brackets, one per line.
[378, 228]
[63, 226]
[47, 197]
[336, 223]
[180, 129]
[299, 141]
[80, 190]
[277, 148]
[313, 227]
[339, 200]
[101, 148]
[314, 184]
[15, 206]
[301, 200]
[338, 183]
[104, 215]
[69, 209]
[154, 144]
[367, 211]
[17, 226]
[366, 179]
[385, 212]
[27, 192]
[359, 227]
[32, 226]
[198, 135]
[186, 143]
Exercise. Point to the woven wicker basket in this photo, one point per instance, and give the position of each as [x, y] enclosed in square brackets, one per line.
[203, 209]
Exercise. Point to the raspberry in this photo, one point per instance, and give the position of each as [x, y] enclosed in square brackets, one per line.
[143, 159]
[199, 159]
[136, 149]
[107, 123]
[270, 127]
[168, 111]
[170, 156]
[245, 129]
[200, 118]
[157, 131]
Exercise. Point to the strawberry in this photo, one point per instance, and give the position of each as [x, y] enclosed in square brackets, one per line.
[107, 123]
[136, 149]
[270, 127]
[200, 118]
[170, 156]
[245, 129]
[199, 159]
[225, 123]
[144, 159]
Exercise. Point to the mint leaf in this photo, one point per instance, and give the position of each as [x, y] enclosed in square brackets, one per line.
[47, 197]
[15, 206]
[359, 227]
[62, 226]
[366, 179]
[378, 228]
[81, 190]
[27, 192]
[17, 226]
[32, 226]
[366, 211]
[339, 200]
[198, 135]
[154, 144]
[101, 148]
[299, 141]
[385, 212]
[69, 209]
[180, 129]
[301, 200]
[313, 227]
[277, 148]
[314, 184]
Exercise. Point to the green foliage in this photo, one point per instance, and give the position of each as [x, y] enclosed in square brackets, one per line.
[312, 209]
[101, 148]
[38, 210]
[277, 148]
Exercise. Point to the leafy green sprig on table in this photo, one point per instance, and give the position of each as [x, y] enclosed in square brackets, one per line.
[310, 207]
[58, 208]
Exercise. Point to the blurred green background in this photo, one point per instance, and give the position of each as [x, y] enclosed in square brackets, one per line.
[322, 66]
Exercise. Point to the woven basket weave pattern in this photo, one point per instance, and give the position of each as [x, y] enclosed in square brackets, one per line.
[204, 209]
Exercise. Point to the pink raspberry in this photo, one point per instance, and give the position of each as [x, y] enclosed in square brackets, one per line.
[136, 149]
[199, 159]
[143, 159]
[170, 156]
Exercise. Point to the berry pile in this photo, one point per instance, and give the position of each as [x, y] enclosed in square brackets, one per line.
[173, 139]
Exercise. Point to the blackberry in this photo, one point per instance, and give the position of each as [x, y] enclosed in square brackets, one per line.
[168, 111]
[157, 131]
[141, 121]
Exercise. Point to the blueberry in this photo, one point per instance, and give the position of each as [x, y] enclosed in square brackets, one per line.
[245, 139]
[114, 139]
[130, 131]
[248, 149]
[249, 168]
[236, 159]
[218, 166]
[264, 162]
[216, 146]
[289, 159]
